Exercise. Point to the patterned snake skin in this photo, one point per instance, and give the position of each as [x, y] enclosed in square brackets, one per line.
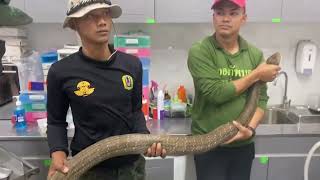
[175, 145]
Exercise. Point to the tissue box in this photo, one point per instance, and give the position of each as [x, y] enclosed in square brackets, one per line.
[32, 117]
[139, 52]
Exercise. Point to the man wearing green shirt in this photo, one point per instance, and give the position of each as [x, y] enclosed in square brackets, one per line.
[223, 67]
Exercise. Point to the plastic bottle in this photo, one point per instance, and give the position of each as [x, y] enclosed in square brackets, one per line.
[145, 108]
[167, 103]
[182, 94]
[19, 115]
[160, 105]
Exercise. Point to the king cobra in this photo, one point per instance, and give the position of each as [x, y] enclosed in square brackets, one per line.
[175, 145]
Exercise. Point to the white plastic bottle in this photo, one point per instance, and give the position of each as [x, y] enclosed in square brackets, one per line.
[160, 105]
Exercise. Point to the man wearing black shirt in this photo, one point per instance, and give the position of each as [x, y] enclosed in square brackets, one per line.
[103, 87]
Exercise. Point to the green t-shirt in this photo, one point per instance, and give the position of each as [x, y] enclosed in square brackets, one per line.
[213, 71]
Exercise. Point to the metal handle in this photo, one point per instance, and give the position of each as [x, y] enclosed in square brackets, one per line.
[32, 169]
[9, 72]
[9, 64]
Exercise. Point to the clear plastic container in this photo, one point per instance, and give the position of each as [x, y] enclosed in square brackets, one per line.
[132, 41]
[29, 70]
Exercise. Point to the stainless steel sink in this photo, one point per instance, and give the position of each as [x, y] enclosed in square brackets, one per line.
[276, 115]
[301, 114]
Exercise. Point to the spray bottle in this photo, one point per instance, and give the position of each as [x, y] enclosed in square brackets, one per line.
[19, 115]
[160, 105]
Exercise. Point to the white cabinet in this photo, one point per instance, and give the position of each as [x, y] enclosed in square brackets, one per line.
[301, 11]
[264, 11]
[46, 11]
[135, 11]
[54, 11]
[259, 171]
[291, 168]
[20, 4]
[179, 11]
[182, 11]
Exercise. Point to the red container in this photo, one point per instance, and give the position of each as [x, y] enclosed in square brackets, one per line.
[155, 113]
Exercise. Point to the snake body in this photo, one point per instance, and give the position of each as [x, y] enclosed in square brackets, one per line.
[175, 145]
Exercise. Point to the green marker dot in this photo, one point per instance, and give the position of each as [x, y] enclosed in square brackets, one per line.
[151, 21]
[264, 160]
[276, 20]
[47, 162]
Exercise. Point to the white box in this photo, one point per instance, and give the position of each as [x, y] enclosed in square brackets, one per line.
[15, 32]
[13, 41]
[16, 51]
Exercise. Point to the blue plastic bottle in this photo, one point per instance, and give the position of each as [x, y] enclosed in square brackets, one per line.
[19, 114]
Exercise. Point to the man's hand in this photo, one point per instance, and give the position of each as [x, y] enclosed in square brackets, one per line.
[156, 150]
[59, 159]
[243, 133]
[267, 72]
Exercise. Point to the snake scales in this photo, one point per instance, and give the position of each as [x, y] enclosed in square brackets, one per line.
[175, 145]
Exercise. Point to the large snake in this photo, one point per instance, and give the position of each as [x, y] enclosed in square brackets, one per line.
[175, 145]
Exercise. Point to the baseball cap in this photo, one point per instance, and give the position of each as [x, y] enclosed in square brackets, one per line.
[79, 8]
[240, 3]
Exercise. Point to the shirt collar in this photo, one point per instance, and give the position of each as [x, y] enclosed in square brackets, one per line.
[243, 44]
[99, 62]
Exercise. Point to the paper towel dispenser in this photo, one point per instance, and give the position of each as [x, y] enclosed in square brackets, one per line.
[2, 51]
[306, 56]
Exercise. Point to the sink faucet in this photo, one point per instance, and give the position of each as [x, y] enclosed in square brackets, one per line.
[285, 102]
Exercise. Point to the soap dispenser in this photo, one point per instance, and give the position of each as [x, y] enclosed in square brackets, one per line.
[306, 56]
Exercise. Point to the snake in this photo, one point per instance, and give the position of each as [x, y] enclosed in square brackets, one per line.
[175, 145]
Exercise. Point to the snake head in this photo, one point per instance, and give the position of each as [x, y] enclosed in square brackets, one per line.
[274, 59]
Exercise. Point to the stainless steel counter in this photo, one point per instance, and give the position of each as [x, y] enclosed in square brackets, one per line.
[167, 126]
[280, 142]
[6, 111]
[170, 126]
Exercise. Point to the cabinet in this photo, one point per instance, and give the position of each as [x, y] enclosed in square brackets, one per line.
[135, 11]
[46, 11]
[263, 11]
[291, 168]
[259, 171]
[20, 4]
[301, 11]
[159, 169]
[181, 11]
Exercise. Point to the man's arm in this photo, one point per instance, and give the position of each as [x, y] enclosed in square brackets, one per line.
[257, 118]
[244, 132]
[57, 107]
[138, 116]
[264, 72]
[262, 106]
[155, 149]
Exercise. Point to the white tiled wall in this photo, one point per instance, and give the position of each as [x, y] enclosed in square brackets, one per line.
[170, 44]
